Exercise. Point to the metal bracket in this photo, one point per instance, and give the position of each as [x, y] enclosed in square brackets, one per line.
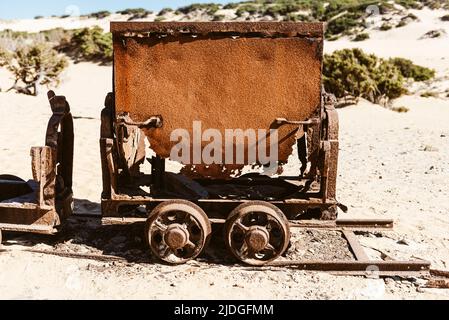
[281, 121]
[153, 122]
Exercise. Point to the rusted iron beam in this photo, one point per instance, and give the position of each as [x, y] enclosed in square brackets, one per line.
[365, 223]
[180, 28]
[355, 246]
[39, 229]
[353, 224]
[362, 268]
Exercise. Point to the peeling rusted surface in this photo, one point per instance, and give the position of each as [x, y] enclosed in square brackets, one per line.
[226, 82]
[226, 76]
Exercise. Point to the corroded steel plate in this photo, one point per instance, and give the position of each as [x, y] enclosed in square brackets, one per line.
[226, 75]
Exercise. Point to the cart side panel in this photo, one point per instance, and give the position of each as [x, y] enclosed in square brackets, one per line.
[225, 82]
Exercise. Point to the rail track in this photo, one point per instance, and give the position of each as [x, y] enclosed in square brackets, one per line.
[362, 265]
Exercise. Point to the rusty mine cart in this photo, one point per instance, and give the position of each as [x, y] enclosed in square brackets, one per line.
[223, 76]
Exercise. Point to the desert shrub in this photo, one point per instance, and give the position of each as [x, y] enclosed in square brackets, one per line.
[219, 17]
[401, 24]
[410, 4]
[4, 57]
[295, 17]
[445, 18]
[432, 34]
[135, 13]
[406, 20]
[55, 36]
[385, 26]
[400, 109]
[351, 72]
[361, 36]
[38, 17]
[35, 65]
[90, 44]
[281, 9]
[429, 94]
[209, 8]
[249, 8]
[99, 14]
[411, 16]
[410, 70]
[344, 23]
[159, 19]
[10, 34]
[231, 5]
[165, 11]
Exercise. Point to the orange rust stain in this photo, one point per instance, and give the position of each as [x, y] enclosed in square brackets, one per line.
[226, 83]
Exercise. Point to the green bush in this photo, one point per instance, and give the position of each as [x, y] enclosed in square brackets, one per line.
[429, 94]
[400, 109]
[410, 70]
[281, 9]
[99, 14]
[445, 18]
[165, 11]
[344, 23]
[135, 13]
[231, 5]
[209, 8]
[401, 24]
[361, 37]
[5, 57]
[295, 17]
[219, 17]
[351, 72]
[410, 4]
[386, 26]
[249, 8]
[90, 44]
[35, 65]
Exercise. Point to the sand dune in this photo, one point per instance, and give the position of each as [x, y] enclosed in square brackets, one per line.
[392, 166]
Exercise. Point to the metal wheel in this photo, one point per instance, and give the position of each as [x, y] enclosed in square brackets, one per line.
[177, 231]
[257, 232]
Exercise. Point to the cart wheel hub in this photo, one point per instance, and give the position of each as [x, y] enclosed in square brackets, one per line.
[176, 237]
[257, 238]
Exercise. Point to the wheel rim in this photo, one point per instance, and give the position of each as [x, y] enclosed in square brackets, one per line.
[177, 231]
[257, 233]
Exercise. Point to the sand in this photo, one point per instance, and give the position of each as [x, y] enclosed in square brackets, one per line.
[392, 165]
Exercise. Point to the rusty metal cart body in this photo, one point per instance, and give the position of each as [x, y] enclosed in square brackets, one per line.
[42, 204]
[224, 76]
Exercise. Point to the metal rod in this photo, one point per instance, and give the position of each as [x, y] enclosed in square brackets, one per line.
[355, 246]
